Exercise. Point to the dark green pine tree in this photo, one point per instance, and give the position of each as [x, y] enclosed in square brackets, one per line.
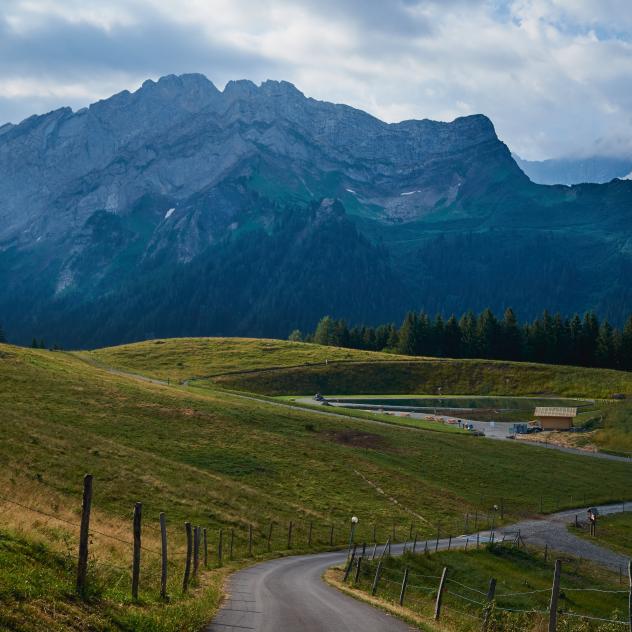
[626, 346]
[604, 346]
[588, 340]
[452, 338]
[575, 334]
[3, 337]
[393, 338]
[511, 337]
[469, 343]
[407, 343]
[487, 334]
[437, 336]
[324, 331]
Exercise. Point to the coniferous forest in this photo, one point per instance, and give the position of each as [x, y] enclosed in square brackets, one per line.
[551, 338]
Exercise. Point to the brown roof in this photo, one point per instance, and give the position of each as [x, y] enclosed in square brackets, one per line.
[555, 411]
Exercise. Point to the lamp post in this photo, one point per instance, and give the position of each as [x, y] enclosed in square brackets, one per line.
[354, 522]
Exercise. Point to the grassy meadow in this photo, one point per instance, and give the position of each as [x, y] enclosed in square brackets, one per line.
[613, 532]
[523, 584]
[222, 461]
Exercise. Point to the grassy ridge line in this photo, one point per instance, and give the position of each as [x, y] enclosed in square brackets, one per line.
[184, 358]
[474, 377]
[278, 367]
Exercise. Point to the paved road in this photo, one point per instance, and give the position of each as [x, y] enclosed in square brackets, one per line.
[289, 595]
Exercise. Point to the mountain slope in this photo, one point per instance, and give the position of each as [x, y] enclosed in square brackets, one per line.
[597, 169]
[182, 210]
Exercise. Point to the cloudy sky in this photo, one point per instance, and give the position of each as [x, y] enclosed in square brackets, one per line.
[555, 76]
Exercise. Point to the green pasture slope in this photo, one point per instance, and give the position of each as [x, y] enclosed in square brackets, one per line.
[221, 461]
[614, 532]
[523, 588]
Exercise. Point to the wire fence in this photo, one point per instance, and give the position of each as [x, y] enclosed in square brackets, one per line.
[443, 596]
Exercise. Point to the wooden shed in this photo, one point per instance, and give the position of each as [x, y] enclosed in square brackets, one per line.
[555, 417]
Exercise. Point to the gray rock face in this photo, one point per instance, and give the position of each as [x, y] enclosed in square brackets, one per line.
[181, 176]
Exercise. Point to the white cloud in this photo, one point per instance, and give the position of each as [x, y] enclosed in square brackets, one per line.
[553, 75]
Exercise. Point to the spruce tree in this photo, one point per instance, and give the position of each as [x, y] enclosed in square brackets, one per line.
[452, 338]
[626, 345]
[407, 338]
[511, 337]
[324, 331]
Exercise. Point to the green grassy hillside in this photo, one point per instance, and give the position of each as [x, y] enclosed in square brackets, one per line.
[457, 377]
[272, 367]
[614, 532]
[223, 461]
[522, 591]
[616, 435]
[183, 358]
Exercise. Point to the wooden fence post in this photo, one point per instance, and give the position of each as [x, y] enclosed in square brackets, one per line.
[350, 563]
[138, 508]
[196, 550]
[386, 546]
[437, 542]
[376, 579]
[487, 610]
[84, 535]
[546, 553]
[231, 544]
[220, 547]
[502, 508]
[374, 532]
[437, 612]
[187, 564]
[449, 542]
[357, 573]
[289, 535]
[331, 535]
[163, 556]
[555, 593]
[630, 594]
[270, 537]
[309, 534]
[205, 547]
[415, 543]
[249, 540]
[402, 592]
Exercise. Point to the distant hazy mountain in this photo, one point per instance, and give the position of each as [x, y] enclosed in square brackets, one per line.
[183, 210]
[597, 169]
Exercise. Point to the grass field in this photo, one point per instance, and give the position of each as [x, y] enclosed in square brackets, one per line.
[184, 358]
[371, 373]
[616, 435]
[453, 377]
[614, 532]
[523, 584]
[222, 461]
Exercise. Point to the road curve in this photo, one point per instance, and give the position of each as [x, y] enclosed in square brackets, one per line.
[289, 595]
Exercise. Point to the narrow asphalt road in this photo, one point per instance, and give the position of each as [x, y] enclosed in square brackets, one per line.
[289, 594]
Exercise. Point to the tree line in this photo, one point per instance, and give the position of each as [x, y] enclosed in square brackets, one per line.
[550, 338]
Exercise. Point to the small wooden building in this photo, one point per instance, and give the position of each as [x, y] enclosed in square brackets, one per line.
[555, 417]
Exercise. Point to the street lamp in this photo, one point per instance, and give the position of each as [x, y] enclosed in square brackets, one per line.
[354, 522]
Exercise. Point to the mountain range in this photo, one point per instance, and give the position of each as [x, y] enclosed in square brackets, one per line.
[598, 169]
[180, 209]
